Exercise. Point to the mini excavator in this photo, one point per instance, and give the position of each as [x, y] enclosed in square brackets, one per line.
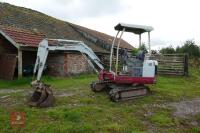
[126, 84]
[130, 82]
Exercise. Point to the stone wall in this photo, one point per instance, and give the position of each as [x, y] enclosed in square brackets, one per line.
[65, 64]
[55, 62]
[76, 63]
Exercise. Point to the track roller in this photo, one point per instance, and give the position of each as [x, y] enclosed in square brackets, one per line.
[114, 95]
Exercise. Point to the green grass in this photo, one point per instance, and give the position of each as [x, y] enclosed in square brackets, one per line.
[162, 118]
[23, 82]
[196, 130]
[86, 111]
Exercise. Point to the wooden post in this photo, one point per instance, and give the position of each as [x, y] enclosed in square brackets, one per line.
[186, 65]
[19, 63]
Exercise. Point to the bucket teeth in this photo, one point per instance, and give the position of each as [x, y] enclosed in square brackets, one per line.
[42, 96]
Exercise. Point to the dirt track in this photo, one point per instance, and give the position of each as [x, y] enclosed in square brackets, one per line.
[186, 108]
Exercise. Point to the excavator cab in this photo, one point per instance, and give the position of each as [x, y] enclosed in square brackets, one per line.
[136, 29]
[130, 82]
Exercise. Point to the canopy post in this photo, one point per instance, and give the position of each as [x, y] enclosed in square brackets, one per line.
[149, 43]
[116, 66]
[140, 40]
[111, 52]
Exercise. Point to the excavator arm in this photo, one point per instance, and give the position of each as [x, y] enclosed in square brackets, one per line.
[43, 94]
[64, 45]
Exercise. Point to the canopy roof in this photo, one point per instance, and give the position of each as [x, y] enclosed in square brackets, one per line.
[137, 29]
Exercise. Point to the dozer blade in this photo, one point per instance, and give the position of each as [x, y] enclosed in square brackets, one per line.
[42, 96]
[97, 86]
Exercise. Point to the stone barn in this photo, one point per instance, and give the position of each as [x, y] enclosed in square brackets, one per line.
[22, 29]
[18, 48]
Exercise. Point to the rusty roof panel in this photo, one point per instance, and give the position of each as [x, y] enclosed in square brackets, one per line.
[23, 37]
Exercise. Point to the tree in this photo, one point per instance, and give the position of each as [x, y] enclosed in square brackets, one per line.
[189, 47]
[167, 50]
[135, 51]
[154, 52]
[143, 47]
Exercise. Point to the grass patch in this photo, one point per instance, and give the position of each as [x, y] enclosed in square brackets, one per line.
[86, 111]
[162, 119]
[197, 117]
[174, 88]
[196, 130]
[17, 83]
[73, 115]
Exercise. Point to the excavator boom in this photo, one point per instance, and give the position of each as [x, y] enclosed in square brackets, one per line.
[64, 45]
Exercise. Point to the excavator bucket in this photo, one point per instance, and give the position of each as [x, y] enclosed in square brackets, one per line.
[42, 96]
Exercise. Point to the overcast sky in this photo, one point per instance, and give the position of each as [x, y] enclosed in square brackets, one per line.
[174, 21]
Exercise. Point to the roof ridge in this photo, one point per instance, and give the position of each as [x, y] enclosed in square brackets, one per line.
[108, 38]
[91, 29]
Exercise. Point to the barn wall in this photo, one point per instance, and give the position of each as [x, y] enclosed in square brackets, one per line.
[55, 62]
[76, 64]
[8, 59]
[6, 47]
[65, 64]
[59, 64]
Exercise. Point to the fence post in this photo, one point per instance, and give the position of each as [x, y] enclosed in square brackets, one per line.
[186, 65]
